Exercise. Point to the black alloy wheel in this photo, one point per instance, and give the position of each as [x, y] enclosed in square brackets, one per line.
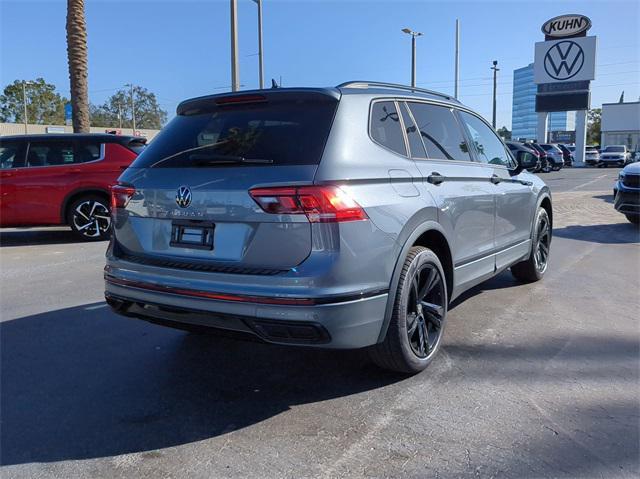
[425, 310]
[418, 320]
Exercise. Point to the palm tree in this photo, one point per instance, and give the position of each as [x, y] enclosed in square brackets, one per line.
[78, 70]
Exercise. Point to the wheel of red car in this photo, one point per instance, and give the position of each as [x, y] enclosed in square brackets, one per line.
[89, 217]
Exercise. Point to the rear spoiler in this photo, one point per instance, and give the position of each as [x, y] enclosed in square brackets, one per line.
[205, 104]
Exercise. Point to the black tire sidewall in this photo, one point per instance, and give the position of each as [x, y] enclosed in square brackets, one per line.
[425, 256]
[539, 213]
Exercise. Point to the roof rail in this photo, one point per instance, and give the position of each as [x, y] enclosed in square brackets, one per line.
[396, 86]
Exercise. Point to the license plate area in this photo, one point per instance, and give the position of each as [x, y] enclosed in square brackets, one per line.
[192, 234]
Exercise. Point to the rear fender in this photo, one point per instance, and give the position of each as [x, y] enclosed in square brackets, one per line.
[407, 238]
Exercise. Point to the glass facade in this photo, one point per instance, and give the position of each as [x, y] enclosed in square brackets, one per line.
[524, 119]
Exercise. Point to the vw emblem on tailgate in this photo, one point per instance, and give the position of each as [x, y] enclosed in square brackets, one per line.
[183, 197]
[564, 60]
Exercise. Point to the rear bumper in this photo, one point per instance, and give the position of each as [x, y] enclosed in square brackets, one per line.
[345, 321]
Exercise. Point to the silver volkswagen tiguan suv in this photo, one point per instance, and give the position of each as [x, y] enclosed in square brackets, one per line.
[346, 217]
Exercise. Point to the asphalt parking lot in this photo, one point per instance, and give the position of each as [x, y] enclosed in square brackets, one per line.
[539, 380]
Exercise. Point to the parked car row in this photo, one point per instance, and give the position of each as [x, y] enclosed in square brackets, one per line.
[550, 156]
[558, 155]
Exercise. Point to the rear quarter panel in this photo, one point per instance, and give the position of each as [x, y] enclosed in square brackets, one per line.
[384, 183]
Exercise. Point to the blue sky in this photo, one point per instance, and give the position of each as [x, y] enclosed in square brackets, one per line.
[179, 49]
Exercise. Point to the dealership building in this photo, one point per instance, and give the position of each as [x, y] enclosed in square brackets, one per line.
[621, 124]
[524, 119]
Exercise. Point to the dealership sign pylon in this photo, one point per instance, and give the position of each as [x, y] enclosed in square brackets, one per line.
[564, 66]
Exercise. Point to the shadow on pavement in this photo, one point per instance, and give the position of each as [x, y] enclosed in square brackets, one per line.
[30, 237]
[503, 280]
[78, 383]
[615, 233]
[605, 198]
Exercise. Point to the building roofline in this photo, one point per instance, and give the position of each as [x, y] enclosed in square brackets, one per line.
[625, 103]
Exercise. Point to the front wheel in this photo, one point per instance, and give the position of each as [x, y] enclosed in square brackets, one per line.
[533, 268]
[419, 314]
[89, 218]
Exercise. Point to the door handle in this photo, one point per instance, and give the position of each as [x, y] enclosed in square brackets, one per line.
[495, 179]
[435, 178]
[75, 170]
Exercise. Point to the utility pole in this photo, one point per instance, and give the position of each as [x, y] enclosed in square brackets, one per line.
[260, 53]
[413, 53]
[457, 60]
[133, 108]
[120, 115]
[235, 68]
[24, 103]
[495, 87]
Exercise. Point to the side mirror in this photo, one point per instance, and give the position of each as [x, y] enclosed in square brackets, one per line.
[525, 161]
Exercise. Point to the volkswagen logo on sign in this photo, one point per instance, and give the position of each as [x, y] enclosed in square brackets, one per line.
[183, 197]
[564, 60]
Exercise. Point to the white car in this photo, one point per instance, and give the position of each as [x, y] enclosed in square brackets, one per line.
[615, 155]
[591, 155]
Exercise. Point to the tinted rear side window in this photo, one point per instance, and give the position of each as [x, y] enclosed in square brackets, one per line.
[60, 153]
[440, 131]
[284, 133]
[385, 127]
[11, 154]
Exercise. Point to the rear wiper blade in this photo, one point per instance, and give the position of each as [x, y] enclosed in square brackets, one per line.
[204, 159]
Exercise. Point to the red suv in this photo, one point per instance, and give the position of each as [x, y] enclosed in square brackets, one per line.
[62, 179]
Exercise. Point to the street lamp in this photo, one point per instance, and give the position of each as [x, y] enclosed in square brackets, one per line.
[413, 53]
[235, 66]
[495, 87]
[24, 101]
[260, 60]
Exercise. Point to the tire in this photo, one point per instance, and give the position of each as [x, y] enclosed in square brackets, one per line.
[404, 351]
[535, 266]
[635, 219]
[89, 218]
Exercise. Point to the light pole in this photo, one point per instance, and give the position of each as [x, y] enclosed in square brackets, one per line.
[24, 102]
[457, 60]
[413, 53]
[133, 108]
[260, 55]
[495, 87]
[235, 67]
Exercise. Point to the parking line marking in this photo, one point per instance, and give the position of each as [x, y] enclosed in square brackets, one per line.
[589, 182]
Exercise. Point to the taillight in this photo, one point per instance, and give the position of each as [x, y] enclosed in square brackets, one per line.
[120, 195]
[321, 204]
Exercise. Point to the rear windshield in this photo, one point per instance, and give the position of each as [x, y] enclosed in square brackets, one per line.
[283, 133]
[614, 149]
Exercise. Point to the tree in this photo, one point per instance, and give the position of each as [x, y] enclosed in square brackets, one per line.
[593, 126]
[44, 104]
[504, 133]
[78, 69]
[116, 111]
